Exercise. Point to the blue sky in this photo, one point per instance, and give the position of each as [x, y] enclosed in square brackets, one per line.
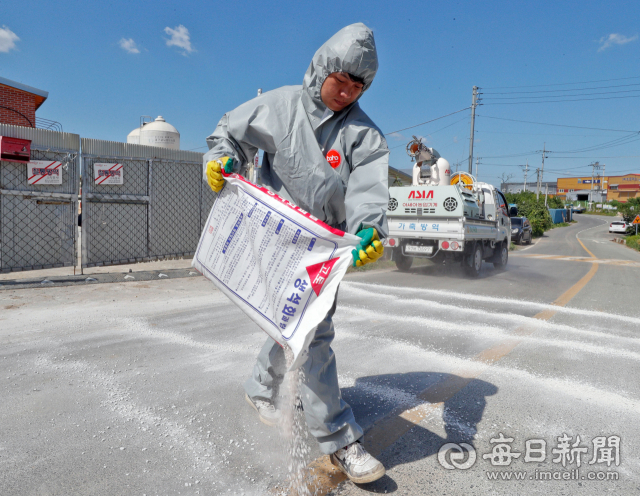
[106, 64]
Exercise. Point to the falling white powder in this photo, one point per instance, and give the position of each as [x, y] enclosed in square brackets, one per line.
[293, 428]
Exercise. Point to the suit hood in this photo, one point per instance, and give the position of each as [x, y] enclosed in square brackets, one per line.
[352, 50]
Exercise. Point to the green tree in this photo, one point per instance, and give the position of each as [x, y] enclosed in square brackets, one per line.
[555, 202]
[533, 209]
[629, 210]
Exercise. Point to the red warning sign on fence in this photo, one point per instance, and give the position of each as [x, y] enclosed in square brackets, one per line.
[44, 172]
[108, 174]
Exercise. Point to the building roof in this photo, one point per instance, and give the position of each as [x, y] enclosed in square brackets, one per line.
[587, 177]
[40, 95]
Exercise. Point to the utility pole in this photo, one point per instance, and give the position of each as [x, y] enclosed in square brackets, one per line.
[526, 169]
[474, 104]
[594, 166]
[477, 159]
[595, 176]
[537, 184]
[546, 194]
[544, 155]
[604, 191]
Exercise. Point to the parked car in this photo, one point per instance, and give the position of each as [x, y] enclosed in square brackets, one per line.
[521, 232]
[619, 226]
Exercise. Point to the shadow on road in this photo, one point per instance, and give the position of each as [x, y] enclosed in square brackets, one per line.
[451, 270]
[378, 401]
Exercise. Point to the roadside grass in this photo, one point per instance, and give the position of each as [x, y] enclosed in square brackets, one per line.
[608, 213]
[633, 242]
[562, 224]
[559, 224]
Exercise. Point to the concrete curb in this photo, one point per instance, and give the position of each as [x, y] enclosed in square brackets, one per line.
[55, 281]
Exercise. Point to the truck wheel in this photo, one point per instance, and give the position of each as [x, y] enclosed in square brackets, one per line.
[501, 257]
[403, 262]
[473, 263]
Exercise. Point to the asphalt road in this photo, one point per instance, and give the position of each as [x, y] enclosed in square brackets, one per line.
[135, 388]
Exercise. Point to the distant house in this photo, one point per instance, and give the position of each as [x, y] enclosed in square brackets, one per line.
[19, 102]
[520, 187]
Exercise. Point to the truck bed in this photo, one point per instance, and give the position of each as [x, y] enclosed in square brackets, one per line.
[432, 227]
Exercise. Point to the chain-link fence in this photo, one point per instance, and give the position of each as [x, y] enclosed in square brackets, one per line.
[154, 207]
[207, 198]
[174, 217]
[38, 222]
[155, 213]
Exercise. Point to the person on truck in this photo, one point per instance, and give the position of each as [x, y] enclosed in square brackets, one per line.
[323, 153]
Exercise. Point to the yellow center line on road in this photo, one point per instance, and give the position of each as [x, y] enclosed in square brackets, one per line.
[323, 477]
[585, 248]
[606, 261]
[582, 244]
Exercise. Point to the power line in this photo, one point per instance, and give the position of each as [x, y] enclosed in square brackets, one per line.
[607, 144]
[539, 134]
[491, 98]
[599, 156]
[427, 122]
[513, 155]
[558, 91]
[557, 125]
[562, 84]
[433, 132]
[586, 158]
[601, 146]
[570, 168]
[561, 101]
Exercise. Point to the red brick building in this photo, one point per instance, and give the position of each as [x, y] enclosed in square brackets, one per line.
[19, 102]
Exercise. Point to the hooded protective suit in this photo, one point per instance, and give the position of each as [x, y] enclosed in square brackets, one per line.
[333, 165]
[298, 134]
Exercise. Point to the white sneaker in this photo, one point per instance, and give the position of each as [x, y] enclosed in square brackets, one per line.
[266, 411]
[357, 464]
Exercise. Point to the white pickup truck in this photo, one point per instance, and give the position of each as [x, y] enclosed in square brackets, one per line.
[463, 223]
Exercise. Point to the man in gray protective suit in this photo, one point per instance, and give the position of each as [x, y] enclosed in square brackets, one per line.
[323, 153]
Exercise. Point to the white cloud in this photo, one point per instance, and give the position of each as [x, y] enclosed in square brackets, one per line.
[179, 37]
[615, 39]
[397, 136]
[7, 39]
[128, 45]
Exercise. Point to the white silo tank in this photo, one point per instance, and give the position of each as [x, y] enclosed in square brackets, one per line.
[134, 136]
[159, 133]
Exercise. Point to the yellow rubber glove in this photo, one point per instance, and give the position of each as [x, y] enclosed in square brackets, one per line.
[215, 178]
[369, 249]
